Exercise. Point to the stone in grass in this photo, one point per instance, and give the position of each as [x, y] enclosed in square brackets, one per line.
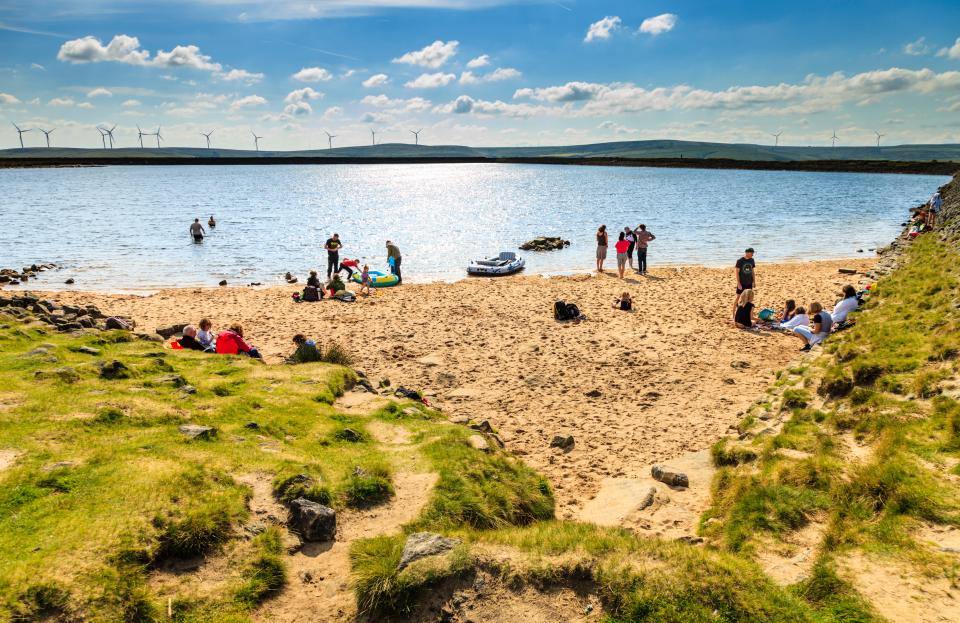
[483, 427]
[188, 390]
[88, 350]
[114, 370]
[421, 545]
[168, 332]
[669, 477]
[313, 522]
[196, 431]
[564, 443]
[174, 379]
[478, 442]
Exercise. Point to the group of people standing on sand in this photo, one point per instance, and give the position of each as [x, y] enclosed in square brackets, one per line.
[811, 324]
[629, 240]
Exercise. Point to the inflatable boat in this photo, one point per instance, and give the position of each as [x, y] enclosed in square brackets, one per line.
[506, 263]
[378, 279]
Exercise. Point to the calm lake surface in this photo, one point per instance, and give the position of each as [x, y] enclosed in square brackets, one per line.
[125, 228]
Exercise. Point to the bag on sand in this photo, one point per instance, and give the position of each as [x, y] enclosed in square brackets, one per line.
[560, 311]
[311, 294]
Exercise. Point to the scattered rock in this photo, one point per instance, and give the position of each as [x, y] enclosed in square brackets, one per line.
[848, 271]
[497, 440]
[348, 434]
[252, 425]
[66, 375]
[412, 412]
[478, 442]
[593, 393]
[483, 427]
[740, 365]
[564, 443]
[223, 282]
[545, 243]
[648, 498]
[114, 370]
[669, 477]
[188, 390]
[70, 281]
[174, 379]
[691, 539]
[168, 332]
[88, 350]
[123, 324]
[313, 522]
[195, 431]
[150, 337]
[423, 545]
[462, 420]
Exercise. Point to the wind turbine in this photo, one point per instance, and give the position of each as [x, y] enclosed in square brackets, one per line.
[159, 136]
[20, 133]
[373, 135]
[256, 140]
[103, 136]
[416, 136]
[207, 136]
[879, 136]
[47, 134]
[110, 134]
[140, 136]
[834, 139]
[330, 138]
[776, 138]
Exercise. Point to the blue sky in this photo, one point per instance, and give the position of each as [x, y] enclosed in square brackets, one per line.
[480, 72]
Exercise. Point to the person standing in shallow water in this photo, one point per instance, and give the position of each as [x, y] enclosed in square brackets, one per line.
[643, 239]
[601, 247]
[746, 277]
[333, 246]
[394, 258]
[197, 230]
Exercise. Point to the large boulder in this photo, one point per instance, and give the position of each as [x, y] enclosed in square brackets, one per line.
[545, 243]
[168, 332]
[196, 431]
[424, 544]
[669, 477]
[312, 521]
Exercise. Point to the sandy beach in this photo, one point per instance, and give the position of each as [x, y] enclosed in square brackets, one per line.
[632, 388]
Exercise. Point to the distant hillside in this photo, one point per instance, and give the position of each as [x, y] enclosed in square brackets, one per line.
[624, 149]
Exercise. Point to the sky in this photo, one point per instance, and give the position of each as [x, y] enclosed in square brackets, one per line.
[478, 72]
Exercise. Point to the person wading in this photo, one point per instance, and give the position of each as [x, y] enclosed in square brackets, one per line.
[197, 230]
[394, 258]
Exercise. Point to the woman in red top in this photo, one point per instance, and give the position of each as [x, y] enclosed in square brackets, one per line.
[231, 342]
[622, 246]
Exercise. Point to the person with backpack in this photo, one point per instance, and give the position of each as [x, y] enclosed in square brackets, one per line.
[601, 247]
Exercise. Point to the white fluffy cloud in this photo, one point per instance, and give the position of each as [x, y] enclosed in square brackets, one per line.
[602, 29]
[570, 92]
[467, 105]
[497, 75]
[659, 24]
[241, 75]
[7, 99]
[298, 109]
[431, 81]
[481, 61]
[917, 48]
[432, 56]
[250, 101]
[86, 105]
[62, 101]
[414, 104]
[951, 52]
[185, 56]
[313, 74]
[376, 80]
[302, 95]
[130, 103]
[99, 92]
[121, 49]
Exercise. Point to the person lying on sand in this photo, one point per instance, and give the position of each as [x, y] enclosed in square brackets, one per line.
[821, 323]
[624, 303]
[189, 339]
[205, 334]
[231, 342]
[306, 350]
[745, 316]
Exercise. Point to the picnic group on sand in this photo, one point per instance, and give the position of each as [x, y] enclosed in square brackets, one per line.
[231, 342]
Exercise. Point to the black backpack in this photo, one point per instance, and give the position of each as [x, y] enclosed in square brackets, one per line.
[560, 311]
[573, 312]
[311, 294]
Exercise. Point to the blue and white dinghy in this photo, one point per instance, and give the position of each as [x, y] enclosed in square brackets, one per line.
[507, 263]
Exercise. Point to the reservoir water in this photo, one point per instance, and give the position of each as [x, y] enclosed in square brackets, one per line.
[126, 228]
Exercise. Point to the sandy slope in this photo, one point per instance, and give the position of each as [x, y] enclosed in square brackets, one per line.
[491, 349]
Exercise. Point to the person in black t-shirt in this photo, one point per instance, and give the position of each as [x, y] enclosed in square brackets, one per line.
[746, 267]
[333, 246]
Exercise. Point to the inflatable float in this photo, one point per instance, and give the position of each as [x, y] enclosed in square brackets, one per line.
[506, 263]
[378, 279]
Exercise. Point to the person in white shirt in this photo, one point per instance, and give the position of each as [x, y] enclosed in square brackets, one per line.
[846, 305]
[820, 326]
[799, 319]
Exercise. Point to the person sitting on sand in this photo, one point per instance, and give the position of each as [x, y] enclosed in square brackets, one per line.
[624, 303]
[821, 323]
[365, 281]
[231, 342]
[306, 350]
[189, 340]
[205, 334]
[621, 246]
[847, 304]
[799, 319]
[746, 266]
[313, 280]
[601, 247]
[211, 222]
[745, 317]
[197, 230]
[335, 285]
[789, 310]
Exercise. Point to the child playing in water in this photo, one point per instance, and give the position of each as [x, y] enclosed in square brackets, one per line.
[365, 280]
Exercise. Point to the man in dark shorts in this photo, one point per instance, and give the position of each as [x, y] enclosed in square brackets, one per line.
[333, 247]
[393, 255]
[197, 230]
[746, 267]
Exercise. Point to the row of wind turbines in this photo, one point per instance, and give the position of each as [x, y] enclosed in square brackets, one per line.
[106, 136]
[833, 139]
